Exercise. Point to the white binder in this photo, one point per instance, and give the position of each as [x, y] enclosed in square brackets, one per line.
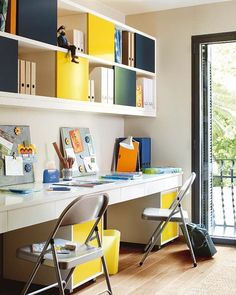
[27, 77]
[33, 78]
[22, 76]
[99, 75]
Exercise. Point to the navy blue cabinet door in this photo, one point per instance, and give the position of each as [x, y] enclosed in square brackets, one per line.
[144, 53]
[37, 19]
[125, 87]
[8, 64]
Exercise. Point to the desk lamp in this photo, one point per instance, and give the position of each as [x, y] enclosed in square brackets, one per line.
[128, 144]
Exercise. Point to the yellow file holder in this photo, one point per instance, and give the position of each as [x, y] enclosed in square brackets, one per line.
[111, 247]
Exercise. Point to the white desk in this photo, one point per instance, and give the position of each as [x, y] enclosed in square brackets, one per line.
[18, 211]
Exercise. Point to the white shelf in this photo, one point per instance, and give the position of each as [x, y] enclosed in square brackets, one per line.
[27, 45]
[68, 7]
[16, 100]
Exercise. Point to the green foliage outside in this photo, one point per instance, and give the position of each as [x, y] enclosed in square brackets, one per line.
[223, 58]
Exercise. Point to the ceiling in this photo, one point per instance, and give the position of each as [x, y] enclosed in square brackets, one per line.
[140, 6]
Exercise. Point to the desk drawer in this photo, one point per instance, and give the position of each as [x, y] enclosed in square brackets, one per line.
[132, 192]
[114, 196]
[31, 215]
[155, 187]
[3, 222]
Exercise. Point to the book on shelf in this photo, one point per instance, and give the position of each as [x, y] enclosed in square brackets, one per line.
[118, 46]
[161, 170]
[147, 86]
[103, 84]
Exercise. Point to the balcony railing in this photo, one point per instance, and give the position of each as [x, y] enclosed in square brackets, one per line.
[224, 203]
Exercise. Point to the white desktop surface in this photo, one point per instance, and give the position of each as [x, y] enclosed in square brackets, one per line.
[18, 210]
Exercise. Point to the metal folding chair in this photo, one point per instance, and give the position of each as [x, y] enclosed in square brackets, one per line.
[82, 209]
[163, 216]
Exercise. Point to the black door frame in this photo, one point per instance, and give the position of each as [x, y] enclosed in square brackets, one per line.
[196, 109]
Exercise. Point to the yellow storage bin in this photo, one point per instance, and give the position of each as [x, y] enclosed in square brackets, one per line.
[111, 247]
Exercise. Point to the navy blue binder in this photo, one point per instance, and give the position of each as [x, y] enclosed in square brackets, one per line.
[9, 64]
[144, 53]
[37, 19]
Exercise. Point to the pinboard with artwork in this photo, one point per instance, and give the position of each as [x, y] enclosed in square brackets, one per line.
[78, 143]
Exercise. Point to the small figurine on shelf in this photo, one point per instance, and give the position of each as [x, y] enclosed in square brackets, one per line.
[63, 42]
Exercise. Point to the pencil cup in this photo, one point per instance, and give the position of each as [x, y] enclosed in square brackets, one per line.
[67, 173]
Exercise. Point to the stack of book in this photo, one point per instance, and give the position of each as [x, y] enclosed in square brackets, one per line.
[123, 175]
[161, 170]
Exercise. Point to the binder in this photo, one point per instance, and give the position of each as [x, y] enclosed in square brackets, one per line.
[139, 96]
[92, 97]
[27, 77]
[128, 48]
[81, 41]
[118, 46]
[22, 76]
[127, 159]
[125, 47]
[148, 92]
[110, 86]
[131, 50]
[33, 78]
[18, 76]
[99, 75]
[89, 94]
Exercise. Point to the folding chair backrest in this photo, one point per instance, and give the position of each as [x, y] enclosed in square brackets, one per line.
[183, 191]
[83, 209]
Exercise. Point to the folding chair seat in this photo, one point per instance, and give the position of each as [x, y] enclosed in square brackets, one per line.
[174, 214]
[54, 253]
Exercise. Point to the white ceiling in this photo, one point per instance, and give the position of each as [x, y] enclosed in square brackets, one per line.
[140, 6]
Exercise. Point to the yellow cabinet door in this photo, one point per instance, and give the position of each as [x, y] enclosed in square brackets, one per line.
[91, 269]
[72, 78]
[101, 37]
[171, 230]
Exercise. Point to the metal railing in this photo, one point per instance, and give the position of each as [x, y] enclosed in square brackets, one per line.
[224, 183]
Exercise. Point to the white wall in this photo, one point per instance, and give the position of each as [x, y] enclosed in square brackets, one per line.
[171, 129]
[44, 127]
[102, 8]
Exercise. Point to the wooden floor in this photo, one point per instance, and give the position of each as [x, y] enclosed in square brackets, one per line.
[167, 271]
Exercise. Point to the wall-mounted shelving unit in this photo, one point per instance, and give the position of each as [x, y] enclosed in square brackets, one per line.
[44, 54]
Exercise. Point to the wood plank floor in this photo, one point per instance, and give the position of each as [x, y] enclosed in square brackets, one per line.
[167, 271]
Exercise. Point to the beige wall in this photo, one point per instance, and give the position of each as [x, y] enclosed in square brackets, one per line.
[171, 130]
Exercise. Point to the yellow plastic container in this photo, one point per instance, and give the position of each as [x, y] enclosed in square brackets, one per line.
[111, 247]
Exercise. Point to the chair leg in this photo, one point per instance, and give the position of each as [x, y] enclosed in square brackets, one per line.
[158, 233]
[32, 275]
[188, 239]
[150, 241]
[106, 275]
[58, 273]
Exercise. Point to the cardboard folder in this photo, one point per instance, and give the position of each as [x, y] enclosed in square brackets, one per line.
[127, 159]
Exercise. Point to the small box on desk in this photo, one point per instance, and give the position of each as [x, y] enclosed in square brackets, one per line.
[144, 150]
